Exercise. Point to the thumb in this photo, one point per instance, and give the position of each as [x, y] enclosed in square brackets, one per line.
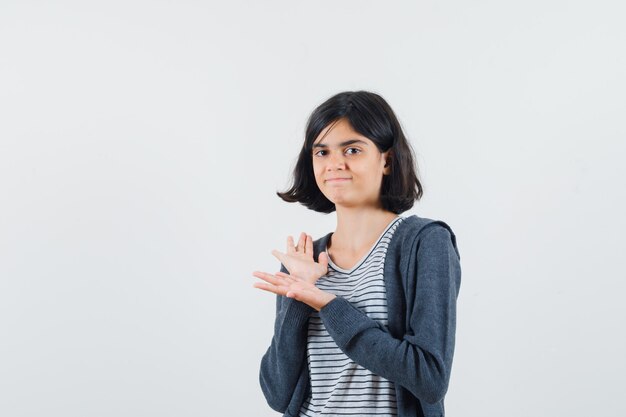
[279, 255]
[323, 259]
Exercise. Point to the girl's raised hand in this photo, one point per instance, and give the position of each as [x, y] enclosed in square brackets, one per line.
[299, 259]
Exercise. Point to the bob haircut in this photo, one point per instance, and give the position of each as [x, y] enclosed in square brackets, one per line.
[371, 116]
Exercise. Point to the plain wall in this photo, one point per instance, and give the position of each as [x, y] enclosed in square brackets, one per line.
[142, 143]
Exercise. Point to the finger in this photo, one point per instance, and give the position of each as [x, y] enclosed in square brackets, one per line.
[274, 280]
[279, 290]
[290, 246]
[301, 242]
[309, 245]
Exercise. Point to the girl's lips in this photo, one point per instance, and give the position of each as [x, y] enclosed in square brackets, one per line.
[338, 179]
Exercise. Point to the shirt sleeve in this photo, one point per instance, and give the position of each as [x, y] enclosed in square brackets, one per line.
[282, 363]
[421, 361]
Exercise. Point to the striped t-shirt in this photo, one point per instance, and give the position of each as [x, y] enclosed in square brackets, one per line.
[339, 386]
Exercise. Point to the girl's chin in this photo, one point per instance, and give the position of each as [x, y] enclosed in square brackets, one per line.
[348, 202]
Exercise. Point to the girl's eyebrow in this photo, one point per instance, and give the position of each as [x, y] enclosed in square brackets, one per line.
[347, 142]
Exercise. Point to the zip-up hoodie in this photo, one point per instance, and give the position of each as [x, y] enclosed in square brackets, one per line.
[422, 275]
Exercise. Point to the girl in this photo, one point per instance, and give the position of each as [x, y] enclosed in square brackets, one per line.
[366, 315]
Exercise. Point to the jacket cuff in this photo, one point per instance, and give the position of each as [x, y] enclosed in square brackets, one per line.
[343, 320]
[296, 312]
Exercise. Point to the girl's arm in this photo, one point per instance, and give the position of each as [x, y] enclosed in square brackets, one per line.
[282, 364]
[422, 359]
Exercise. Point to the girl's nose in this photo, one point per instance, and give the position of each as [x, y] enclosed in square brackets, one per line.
[336, 161]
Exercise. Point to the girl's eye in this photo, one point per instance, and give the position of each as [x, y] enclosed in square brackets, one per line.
[348, 149]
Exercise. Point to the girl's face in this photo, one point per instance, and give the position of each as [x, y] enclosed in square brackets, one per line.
[348, 167]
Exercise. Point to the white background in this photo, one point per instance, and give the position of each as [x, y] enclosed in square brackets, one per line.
[142, 143]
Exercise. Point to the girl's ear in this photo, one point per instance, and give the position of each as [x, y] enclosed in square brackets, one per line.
[387, 157]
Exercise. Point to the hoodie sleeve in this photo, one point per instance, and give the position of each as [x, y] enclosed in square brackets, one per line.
[421, 361]
[282, 363]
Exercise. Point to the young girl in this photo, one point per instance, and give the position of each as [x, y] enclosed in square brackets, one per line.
[366, 315]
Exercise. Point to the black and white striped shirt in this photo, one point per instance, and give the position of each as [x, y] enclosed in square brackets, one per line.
[340, 386]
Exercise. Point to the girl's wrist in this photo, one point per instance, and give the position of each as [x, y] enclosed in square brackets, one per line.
[328, 297]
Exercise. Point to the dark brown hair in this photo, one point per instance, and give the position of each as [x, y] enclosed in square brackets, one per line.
[371, 116]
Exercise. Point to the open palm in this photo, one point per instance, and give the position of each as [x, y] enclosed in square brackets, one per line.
[299, 259]
[293, 287]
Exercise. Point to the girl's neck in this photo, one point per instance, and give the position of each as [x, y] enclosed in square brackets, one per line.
[358, 228]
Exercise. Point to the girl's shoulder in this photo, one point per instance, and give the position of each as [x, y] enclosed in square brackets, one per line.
[414, 228]
[415, 225]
